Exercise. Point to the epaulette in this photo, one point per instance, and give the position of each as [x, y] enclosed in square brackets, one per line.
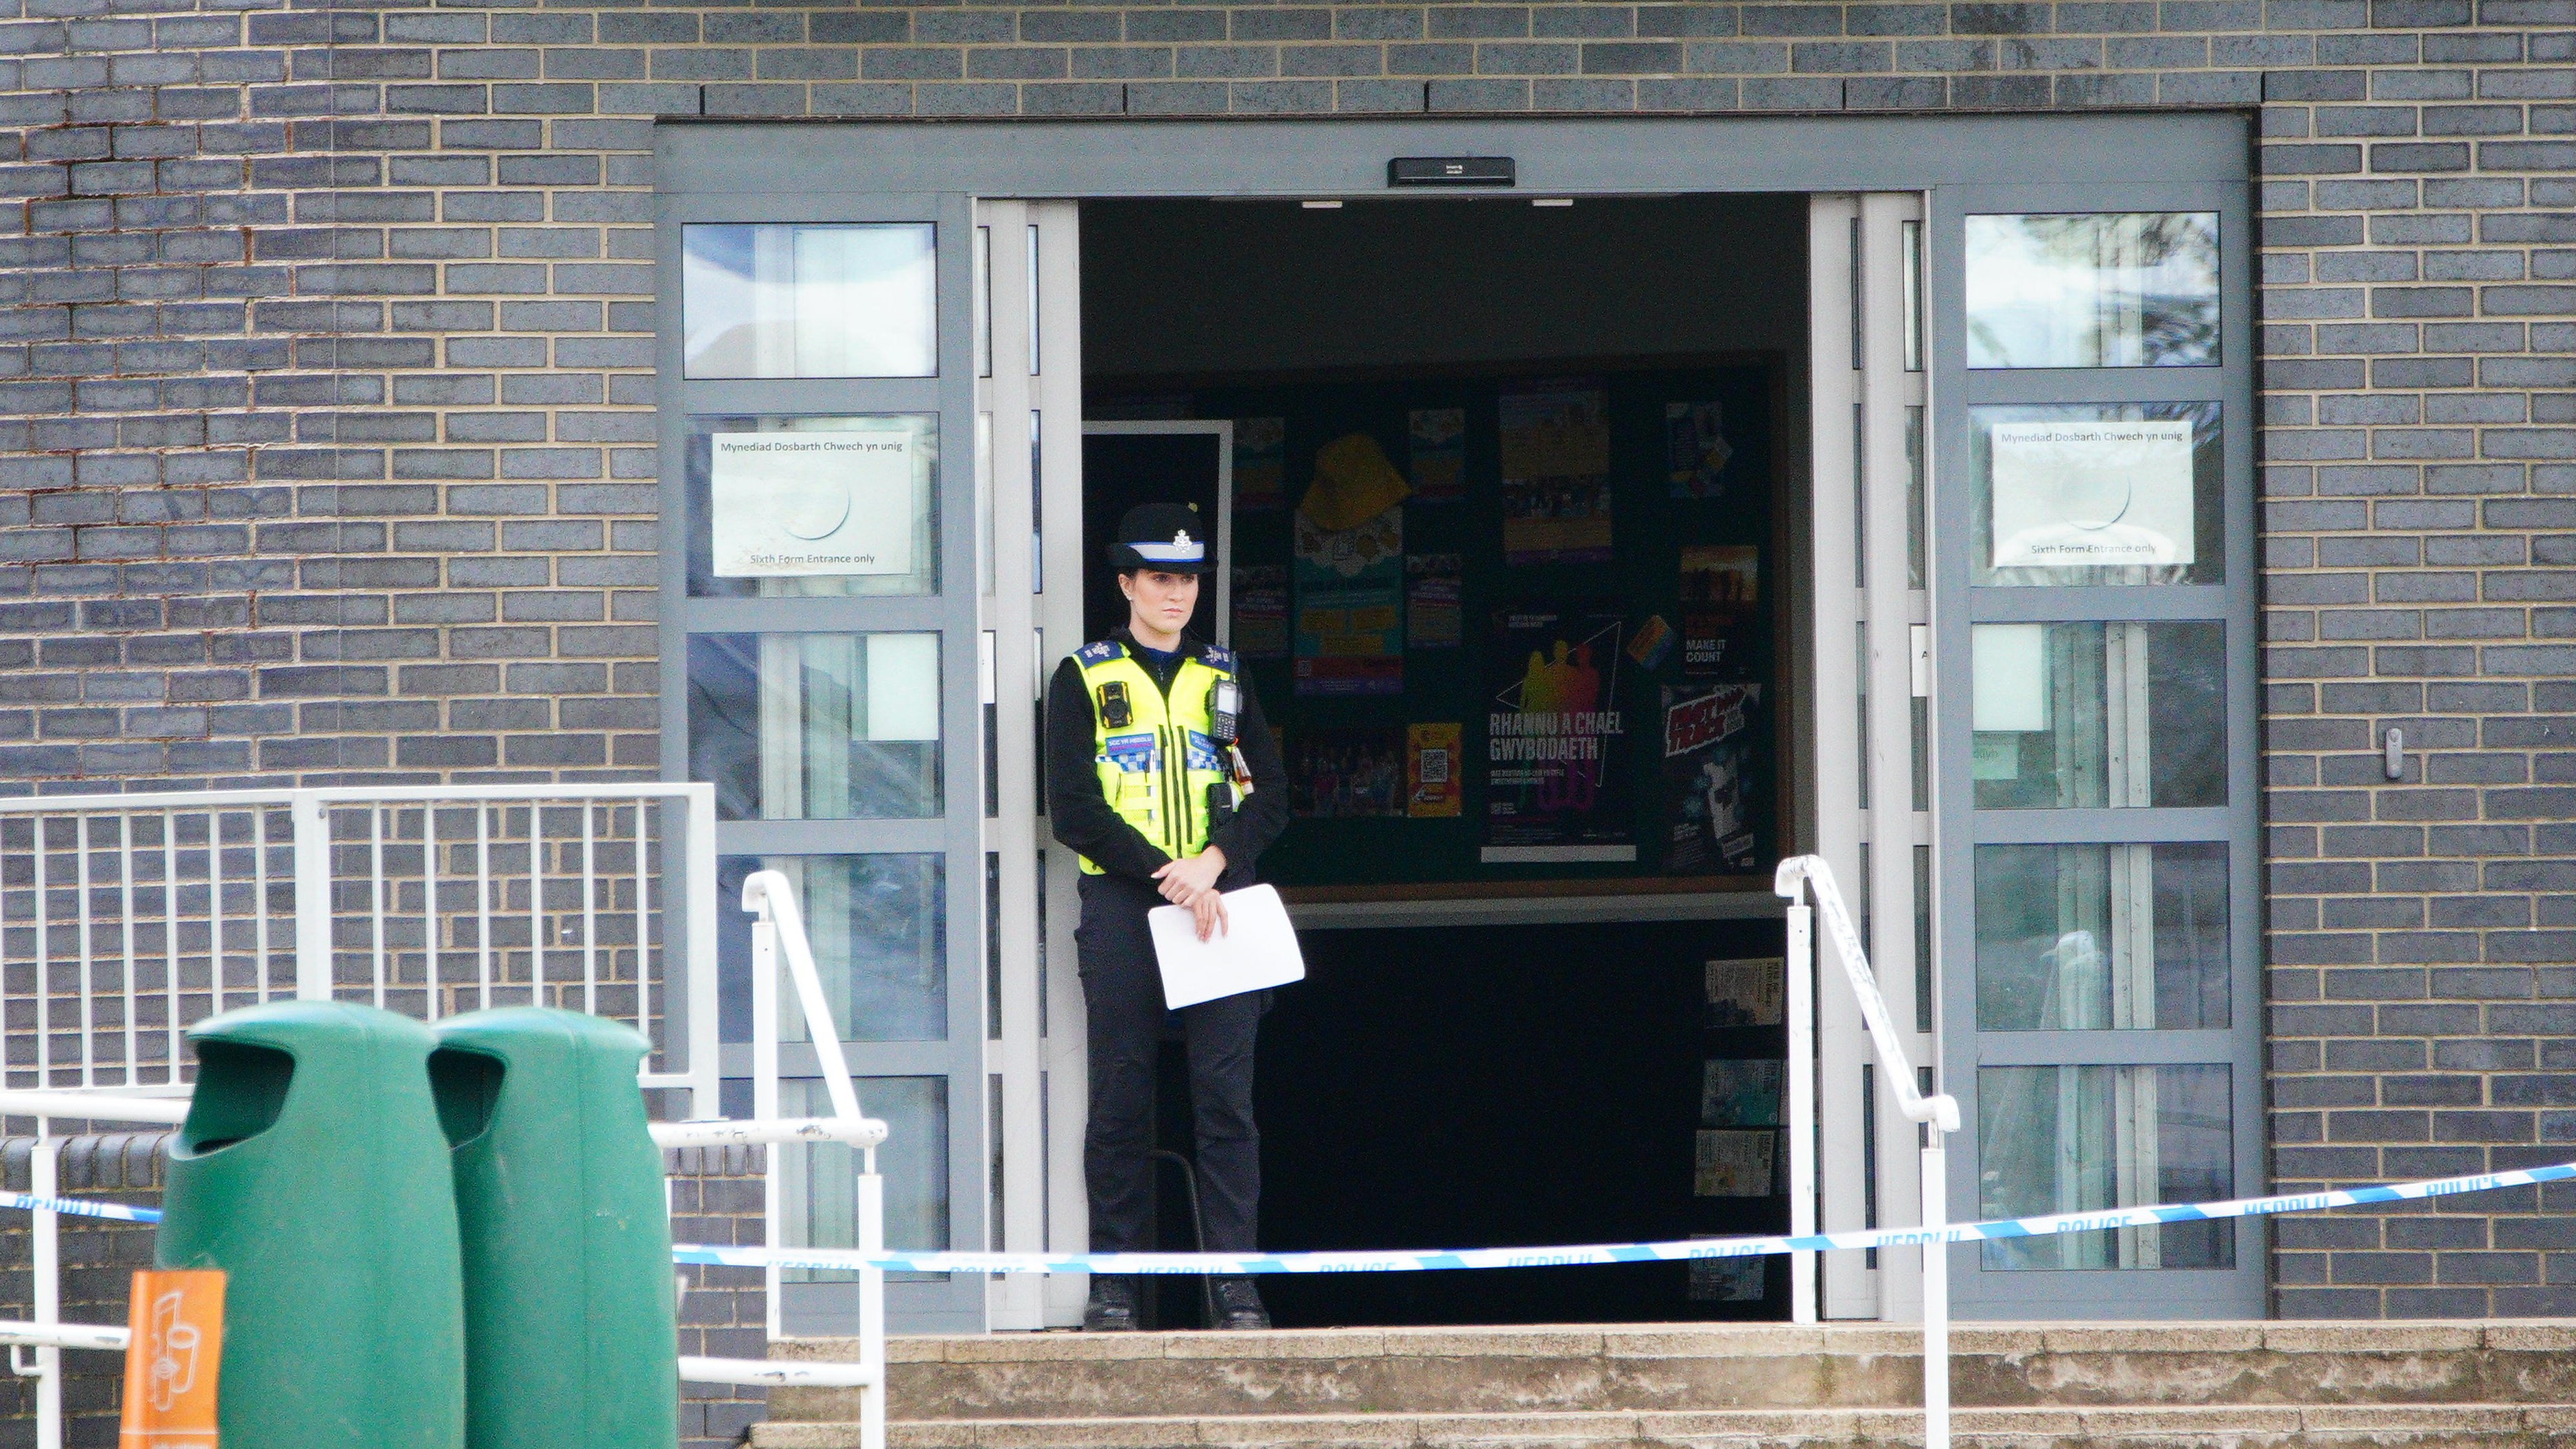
[1217, 656]
[1098, 651]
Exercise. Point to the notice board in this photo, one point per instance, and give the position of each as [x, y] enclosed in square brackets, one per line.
[1512, 622]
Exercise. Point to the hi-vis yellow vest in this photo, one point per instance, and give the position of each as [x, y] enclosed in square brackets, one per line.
[1156, 768]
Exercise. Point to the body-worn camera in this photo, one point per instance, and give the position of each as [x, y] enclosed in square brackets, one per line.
[1116, 711]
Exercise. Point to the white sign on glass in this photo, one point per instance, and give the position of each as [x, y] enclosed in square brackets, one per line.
[789, 504]
[2092, 493]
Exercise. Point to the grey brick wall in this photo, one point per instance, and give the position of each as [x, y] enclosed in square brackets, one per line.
[2419, 536]
[715, 1198]
[325, 423]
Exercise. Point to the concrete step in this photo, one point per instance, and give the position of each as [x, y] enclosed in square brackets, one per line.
[2378, 1426]
[1686, 1369]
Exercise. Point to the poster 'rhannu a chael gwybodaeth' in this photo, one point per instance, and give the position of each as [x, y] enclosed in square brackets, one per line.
[1557, 786]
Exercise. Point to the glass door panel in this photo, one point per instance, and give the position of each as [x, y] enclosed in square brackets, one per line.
[820, 661]
[2094, 609]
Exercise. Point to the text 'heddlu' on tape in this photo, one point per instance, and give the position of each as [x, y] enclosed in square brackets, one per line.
[1578, 1255]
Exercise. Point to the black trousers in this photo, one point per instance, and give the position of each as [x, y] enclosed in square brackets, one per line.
[1122, 993]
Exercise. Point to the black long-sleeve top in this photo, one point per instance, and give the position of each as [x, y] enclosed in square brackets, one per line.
[1081, 815]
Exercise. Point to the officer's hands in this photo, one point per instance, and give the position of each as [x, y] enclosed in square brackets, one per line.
[1208, 911]
[1191, 882]
[1183, 879]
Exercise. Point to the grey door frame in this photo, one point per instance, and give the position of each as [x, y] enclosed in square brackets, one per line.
[793, 169]
[2240, 1291]
[949, 1302]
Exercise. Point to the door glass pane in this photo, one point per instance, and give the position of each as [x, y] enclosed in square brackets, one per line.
[1917, 532]
[2074, 1139]
[2137, 289]
[1923, 938]
[1913, 233]
[1860, 673]
[809, 301]
[2098, 715]
[878, 926]
[2102, 937]
[2098, 493]
[818, 1181]
[799, 507]
[983, 301]
[816, 726]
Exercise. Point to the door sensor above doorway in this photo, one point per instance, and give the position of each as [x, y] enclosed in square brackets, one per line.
[1451, 171]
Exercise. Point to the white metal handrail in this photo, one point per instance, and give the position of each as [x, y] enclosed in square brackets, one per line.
[778, 936]
[126, 918]
[1797, 878]
[130, 917]
[778, 931]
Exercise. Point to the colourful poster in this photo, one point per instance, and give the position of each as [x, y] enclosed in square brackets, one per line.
[1431, 770]
[1749, 992]
[1439, 453]
[1261, 611]
[1734, 1164]
[1739, 1093]
[1555, 442]
[1349, 572]
[1721, 593]
[1340, 774]
[1433, 617]
[1653, 643]
[1556, 762]
[1708, 757]
[1695, 448]
[1260, 464]
[1727, 1280]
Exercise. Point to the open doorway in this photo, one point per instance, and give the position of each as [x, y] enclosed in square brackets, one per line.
[1511, 567]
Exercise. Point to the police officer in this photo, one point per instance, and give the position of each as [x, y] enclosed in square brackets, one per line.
[1163, 778]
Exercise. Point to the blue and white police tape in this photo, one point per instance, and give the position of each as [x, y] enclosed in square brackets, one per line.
[78, 1207]
[1570, 1256]
[1608, 1253]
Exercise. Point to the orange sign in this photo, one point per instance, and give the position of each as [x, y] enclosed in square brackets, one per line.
[178, 1325]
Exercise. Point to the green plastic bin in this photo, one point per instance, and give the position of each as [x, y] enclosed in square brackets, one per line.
[569, 1340]
[312, 1171]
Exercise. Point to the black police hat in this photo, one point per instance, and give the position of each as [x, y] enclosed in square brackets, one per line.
[1166, 536]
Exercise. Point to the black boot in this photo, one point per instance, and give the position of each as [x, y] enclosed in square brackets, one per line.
[1112, 1307]
[1238, 1304]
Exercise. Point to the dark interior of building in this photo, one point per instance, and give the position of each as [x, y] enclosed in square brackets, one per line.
[1509, 571]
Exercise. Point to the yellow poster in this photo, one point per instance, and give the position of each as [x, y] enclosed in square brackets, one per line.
[177, 1322]
[1431, 770]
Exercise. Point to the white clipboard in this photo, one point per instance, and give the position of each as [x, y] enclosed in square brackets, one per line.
[1257, 950]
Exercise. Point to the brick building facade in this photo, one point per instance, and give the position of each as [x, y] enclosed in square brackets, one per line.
[327, 420]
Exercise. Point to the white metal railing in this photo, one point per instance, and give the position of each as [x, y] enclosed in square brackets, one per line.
[1798, 878]
[125, 919]
[778, 932]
